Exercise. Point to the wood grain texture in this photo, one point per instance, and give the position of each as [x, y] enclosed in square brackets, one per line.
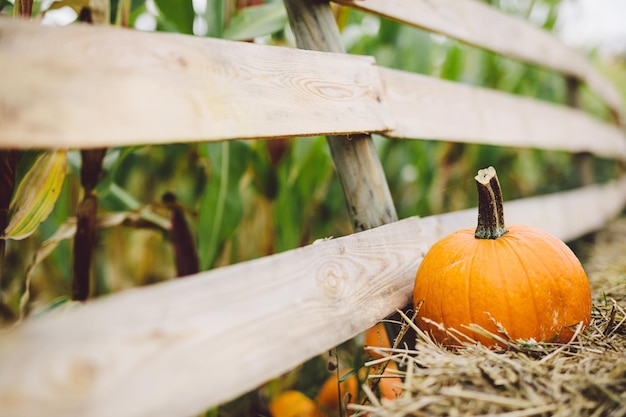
[430, 108]
[164, 88]
[169, 350]
[478, 24]
[358, 167]
[84, 86]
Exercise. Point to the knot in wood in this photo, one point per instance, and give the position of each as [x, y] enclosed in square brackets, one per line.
[81, 374]
[333, 279]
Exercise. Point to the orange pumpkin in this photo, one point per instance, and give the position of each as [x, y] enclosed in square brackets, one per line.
[390, 384]
[330, 399]
[293, 403]
[520, 277]
[376, 337]
[334, 394]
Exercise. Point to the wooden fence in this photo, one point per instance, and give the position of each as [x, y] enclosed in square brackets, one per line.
[164, 350]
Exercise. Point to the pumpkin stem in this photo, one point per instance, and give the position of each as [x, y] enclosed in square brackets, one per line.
[490, 212]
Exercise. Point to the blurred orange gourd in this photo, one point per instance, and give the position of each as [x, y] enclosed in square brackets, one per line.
[292, 403]
[334, 394]
[376, 337]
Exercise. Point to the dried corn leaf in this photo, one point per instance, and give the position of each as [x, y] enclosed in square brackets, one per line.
[67, 231]
[36, 195]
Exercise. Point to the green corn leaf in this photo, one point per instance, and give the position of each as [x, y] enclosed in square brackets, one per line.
[255, 21]
[112, 162]
[214, 16]
[36, 195]
[303, 178]
[221, 206]
[177, 14]
[119, 199]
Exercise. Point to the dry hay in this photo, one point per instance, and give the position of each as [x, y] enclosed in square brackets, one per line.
[586, 377]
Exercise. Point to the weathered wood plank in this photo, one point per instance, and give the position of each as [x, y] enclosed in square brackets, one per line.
[231, 90]
[84, 86]
[168, 350]
[478, 24]
[426, 107]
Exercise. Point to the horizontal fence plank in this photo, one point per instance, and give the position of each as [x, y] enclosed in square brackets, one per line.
[84, 86]
[426, 107]
[174, 348]
[163, 88]
[481, 25]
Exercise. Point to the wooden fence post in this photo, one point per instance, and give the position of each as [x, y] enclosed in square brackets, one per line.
[359, 170]
[358, 167]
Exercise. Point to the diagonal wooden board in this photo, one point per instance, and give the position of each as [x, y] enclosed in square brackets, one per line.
[82, 86]
[476, 23]
[176, 348]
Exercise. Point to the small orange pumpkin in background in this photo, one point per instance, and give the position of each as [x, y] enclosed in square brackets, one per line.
[331, 399]
[521, 277]
[292, 403]
[377, 336]
[390, 384]
[331, 396]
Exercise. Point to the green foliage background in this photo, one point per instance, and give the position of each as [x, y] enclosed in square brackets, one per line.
[247, 199]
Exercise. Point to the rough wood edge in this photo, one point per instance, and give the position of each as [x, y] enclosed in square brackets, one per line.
[167, 349]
